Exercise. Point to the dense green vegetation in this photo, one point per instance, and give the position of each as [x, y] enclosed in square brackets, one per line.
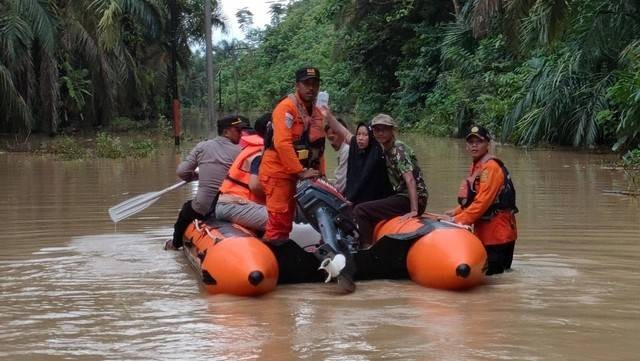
[77, 64]
[533, 71]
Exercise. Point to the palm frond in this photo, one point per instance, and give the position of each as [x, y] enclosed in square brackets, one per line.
[12, 99]
[583, 128]
[16, 36]
[145, 11]
[543, 24]
[78, 40]
[518, 9]
[547, 103]
[108, 27]
[42, 17]
[631, 51]
[455, 47]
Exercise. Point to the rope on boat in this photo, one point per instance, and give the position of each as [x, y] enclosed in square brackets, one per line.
[205, 229]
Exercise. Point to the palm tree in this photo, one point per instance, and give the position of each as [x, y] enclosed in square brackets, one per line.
[28, 28]
[245, 19]
[566, 94]
[277, 10]
[113, 38]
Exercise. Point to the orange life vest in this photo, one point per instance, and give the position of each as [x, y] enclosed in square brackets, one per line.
[300, 141]
[506, 198]
[497, 225]
[312, 140]
[237, 181]
[250, 139]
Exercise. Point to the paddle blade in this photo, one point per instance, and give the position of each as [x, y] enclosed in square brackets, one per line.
[132, 206]
[136, 204]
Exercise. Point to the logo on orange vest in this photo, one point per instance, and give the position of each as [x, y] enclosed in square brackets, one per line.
[484, 175]
[288, 120]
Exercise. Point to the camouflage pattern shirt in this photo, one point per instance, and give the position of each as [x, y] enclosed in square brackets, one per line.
[401, 159]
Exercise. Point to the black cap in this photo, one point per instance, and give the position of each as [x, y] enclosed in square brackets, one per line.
[307, 73]
[246, 121]
[478, 131]
[232, 121]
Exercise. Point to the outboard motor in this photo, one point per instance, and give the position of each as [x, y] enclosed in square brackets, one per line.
[330, 214]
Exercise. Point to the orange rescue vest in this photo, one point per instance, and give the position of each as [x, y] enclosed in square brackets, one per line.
[307, 140]
[506, 198]
[237, 181]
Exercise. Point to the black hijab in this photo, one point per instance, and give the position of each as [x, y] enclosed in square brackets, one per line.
[367, 178]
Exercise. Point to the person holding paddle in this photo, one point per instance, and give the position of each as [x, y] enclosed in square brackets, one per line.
[212, 158]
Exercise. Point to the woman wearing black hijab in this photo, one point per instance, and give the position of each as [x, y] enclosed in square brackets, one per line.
[367, 178]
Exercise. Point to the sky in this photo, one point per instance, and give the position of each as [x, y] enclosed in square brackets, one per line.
[260, 10]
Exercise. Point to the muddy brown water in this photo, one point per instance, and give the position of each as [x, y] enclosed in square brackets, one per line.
[73, 286]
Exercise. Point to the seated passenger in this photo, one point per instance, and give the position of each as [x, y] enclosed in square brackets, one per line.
[367, 178]
[340, 144]
[207, 163]
[241, 198]
[409, 198]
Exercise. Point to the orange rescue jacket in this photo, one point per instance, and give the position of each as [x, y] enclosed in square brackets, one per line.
[298, 137]
[237, 181]
[488, 180]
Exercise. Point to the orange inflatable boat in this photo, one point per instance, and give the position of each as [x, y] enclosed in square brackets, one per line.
[232, 260]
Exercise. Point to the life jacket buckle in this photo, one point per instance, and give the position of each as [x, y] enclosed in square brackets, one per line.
[303, 154]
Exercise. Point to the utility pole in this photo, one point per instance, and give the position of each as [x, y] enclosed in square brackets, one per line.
[235, 80]
[173, 34]
[219, 90]
[211, 110]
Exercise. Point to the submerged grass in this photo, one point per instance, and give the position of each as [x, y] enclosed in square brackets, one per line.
[81, 146]
[67, 148]
[631, 166]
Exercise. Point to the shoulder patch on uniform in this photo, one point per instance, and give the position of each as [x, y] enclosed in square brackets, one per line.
[288, 120]
[484, 175]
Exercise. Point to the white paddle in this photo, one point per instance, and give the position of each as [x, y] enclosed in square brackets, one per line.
[138, 203]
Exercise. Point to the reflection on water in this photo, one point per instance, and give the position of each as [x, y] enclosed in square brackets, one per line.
[74, 286]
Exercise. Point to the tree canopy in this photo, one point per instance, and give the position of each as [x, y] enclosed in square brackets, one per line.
[533, 71]
[555, 71]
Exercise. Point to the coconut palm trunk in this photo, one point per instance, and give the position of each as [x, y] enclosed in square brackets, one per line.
[175, 104]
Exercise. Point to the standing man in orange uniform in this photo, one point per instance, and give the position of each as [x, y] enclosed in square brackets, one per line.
[294, 152]
[487, 200]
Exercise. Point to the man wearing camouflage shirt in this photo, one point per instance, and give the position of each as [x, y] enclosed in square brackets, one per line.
[409, 188]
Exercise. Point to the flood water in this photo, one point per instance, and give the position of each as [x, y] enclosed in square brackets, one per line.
[76, 287]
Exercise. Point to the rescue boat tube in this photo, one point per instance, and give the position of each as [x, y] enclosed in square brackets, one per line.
[230, 259]
[442, 256]
[432, 253]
